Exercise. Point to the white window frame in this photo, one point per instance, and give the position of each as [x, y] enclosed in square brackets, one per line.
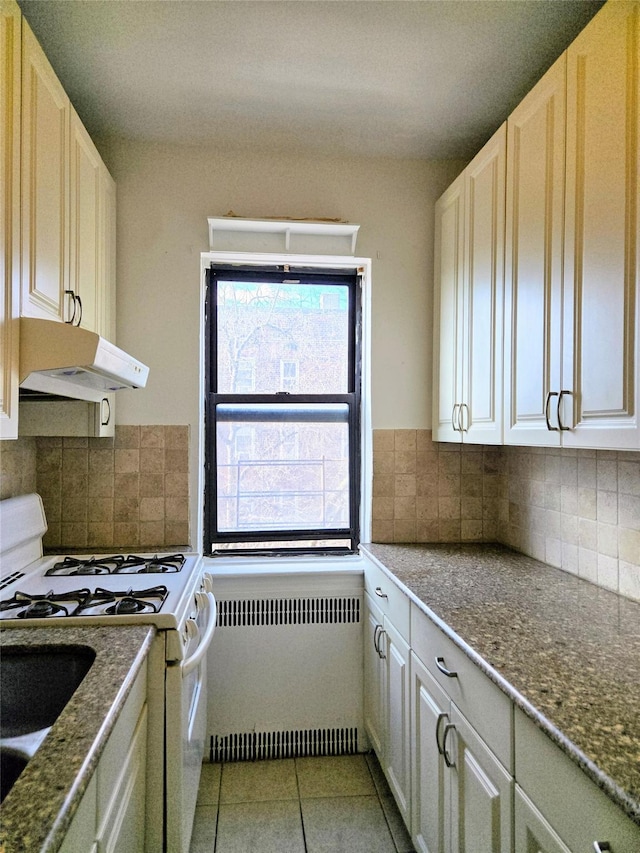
[261, 259]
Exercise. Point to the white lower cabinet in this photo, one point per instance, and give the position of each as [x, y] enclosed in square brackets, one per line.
[469, 771]
[387, 715]
[111, 815]
[555, 794]
[533, 834]
[461, 793]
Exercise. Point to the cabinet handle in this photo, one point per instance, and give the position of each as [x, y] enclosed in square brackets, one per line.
[547, 403]
[375, 638]
[602, 846]
[72, 294]
[560, 424]
[381, 654]
[79, 301]
[455, 417]
[443, 669]
[378, 591]
[463, 407]
[445, 754]
[105, 420]
[441, 717]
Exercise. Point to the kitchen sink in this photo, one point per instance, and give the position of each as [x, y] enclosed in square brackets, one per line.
[36, 684]
[11, 766]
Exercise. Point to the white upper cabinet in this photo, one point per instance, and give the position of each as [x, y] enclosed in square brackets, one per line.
[572, 313]
[601, 354]
[84, 226]
[45, 185]
[10, 52]
[533, 262]
[68, 204]
[468, 313]
[447, 331]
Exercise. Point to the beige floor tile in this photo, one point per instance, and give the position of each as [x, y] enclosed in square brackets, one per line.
[203, 837]
[346, 824]
[257, 781]
[209, 790]
[334, 776]
[267, 827]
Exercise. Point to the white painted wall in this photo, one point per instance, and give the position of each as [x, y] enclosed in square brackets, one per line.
[165, 194]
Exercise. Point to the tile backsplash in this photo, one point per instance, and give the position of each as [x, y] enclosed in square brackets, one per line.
[578, 510]
[130, 491]
[17, 467]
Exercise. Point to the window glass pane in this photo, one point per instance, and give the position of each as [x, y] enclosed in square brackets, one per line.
[282, 337]
[297, 479]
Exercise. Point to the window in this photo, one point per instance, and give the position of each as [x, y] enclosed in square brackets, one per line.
[283, 410]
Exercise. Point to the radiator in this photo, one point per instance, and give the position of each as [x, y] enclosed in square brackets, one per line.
[285, 678]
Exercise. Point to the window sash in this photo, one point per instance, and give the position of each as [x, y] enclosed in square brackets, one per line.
[283, 407]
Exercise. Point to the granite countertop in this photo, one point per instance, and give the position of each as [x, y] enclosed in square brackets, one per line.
[36, 813]
[567, 652]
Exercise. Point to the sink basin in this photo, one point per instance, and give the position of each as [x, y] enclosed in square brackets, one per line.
[11, 766]
[36, 684]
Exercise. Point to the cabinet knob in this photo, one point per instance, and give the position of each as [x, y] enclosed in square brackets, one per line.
[380, 593]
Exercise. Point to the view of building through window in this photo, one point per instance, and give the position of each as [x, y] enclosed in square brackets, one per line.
[283, 414]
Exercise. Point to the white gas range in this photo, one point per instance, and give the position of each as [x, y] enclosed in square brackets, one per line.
[167, 590]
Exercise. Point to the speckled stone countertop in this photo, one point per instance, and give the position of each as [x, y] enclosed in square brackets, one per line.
[36, 813]
[566, 651]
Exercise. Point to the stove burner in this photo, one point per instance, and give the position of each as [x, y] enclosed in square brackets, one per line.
[152, 565]
[44, 606]
[123, 602]
[42, 609]
[85, 566]
[127, 605]
[117, 564]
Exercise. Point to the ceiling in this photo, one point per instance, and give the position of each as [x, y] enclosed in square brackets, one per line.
[400, 78]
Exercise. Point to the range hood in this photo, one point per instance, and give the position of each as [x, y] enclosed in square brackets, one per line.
[68, 361]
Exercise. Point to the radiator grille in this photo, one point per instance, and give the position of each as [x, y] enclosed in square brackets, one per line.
[252, 746]
[288, 611]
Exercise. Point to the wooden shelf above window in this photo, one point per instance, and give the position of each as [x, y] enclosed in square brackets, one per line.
[282, 235]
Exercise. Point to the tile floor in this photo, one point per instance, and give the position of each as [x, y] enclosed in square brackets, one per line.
[337, 804]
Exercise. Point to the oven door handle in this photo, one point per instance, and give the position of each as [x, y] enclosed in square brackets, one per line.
[195, 659]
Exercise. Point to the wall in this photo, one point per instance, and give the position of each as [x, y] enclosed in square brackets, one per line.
[578, 510]
[166, 193]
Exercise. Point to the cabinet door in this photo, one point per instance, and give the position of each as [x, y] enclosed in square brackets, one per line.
[373, 678]
[45, 206]
[533, 834]
[429, 774]
[10, 50]
[447, 313]
[533, 262]
[481, 796]
[397, 764]
[84, 226]
[107, 249]
[601, 305]
[482, 318]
